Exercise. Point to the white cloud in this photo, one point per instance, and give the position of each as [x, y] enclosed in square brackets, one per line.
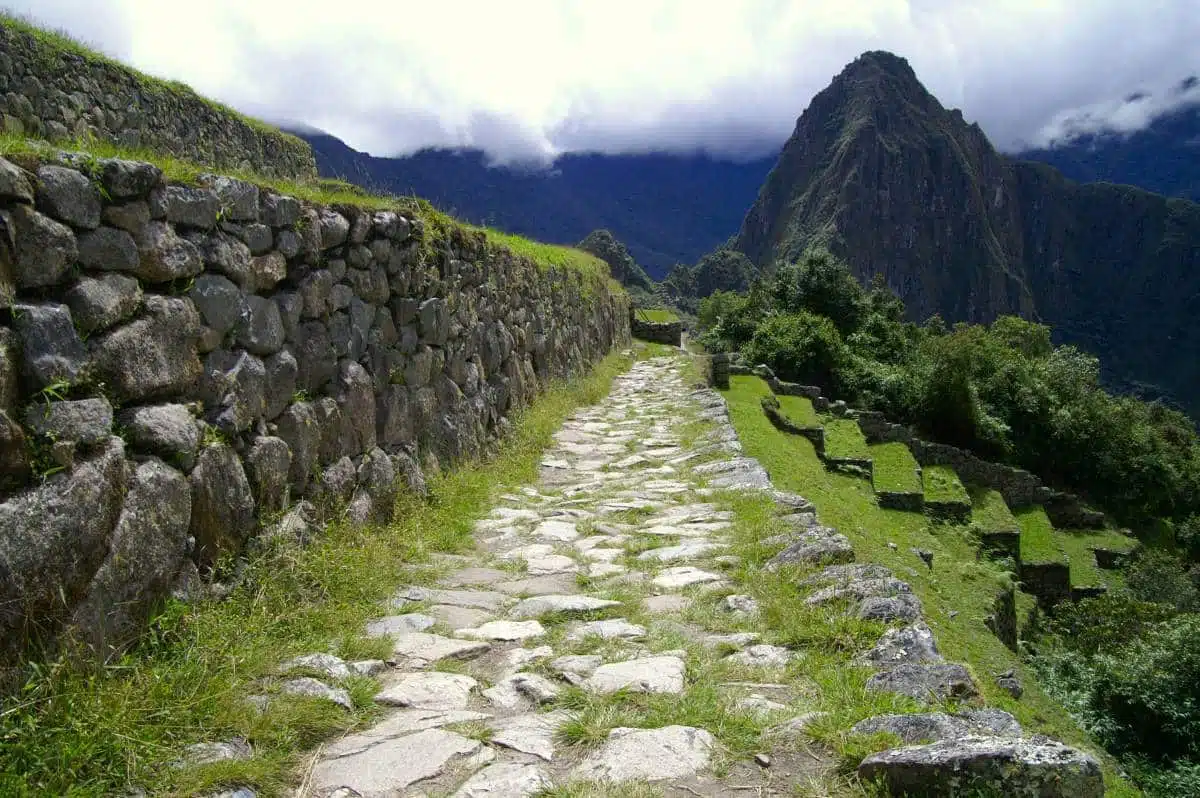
[536, 77]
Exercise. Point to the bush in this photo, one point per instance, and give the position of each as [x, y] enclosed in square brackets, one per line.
[800, 347]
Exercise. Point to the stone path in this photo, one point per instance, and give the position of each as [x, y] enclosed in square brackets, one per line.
[515, 673]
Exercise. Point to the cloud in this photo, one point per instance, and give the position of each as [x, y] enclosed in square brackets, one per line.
[528, 79]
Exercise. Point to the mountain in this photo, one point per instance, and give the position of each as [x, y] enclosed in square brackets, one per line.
[624, 268]
[1163, 157]
[889, 180]
[666, 208]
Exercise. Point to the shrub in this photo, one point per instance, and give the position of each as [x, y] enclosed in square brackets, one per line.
[800, 347]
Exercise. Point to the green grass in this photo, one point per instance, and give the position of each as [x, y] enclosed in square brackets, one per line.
[990, 512]
[660, 315]
[52, 43]
[959, 582]
[895, 469]
[844, 439]
[1038, 541]
[1078, 545]
[942, 484]
[74, 732]
[799, 409]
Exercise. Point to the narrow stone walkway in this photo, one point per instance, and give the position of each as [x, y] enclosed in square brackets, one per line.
[571, 651]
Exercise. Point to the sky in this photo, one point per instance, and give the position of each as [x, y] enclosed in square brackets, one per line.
[530, 79]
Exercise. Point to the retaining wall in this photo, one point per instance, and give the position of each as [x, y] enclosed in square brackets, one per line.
[180, 364]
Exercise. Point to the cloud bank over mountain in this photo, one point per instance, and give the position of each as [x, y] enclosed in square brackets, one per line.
[530, 79]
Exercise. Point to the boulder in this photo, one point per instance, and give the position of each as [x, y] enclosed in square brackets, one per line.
[68, 196]
[1037, 766]
[98, 303]
[267, 463]
[45, 249]
[108, 249]
[222, 504]
[51, 349]
[148, 546]
[930, 683]
[168, 431]
[154, 355]
[164, 256]
[84, 421]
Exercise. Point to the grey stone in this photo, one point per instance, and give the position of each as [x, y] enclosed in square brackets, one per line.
[45, 249]
[858, 590]
[331, 666]
[192, 207]
[813, 548]
[259, 239]
[667, 753]
[382, 767]
[53, 539]
[222, 503]
[504, 780]
[226, 254]
[237, 199]
[261, 329]
[334, 228]
[683, 576]
[98, 303]
[521, 689]
[297, 527]
[459, 617]
[297, 426]
[429, 691]
[738, 603]
[335, 487]
[912, 644]
[367, 667]
[925, 682]
[290, 307]
[409, 473]
[582, 665]
[267, 463]
[1037, 766]
[356, 400]
[375, 499]
[148, 545]
[612, 629]
[544, 605]
[434, 321]
[84, 421]
[14, 183]
[233, 387]
[763, 656]
[532, 733]
[278, 210]
[108, 249]
[221, 304]
[164, 256]
[207, 753]
[399, 624]
[266, 270]
[1010, 684]
[667, 604]
[51, 349]
[687, 550]
[130, 217]
[904, 607]
[154, 355]
[313, 688]
[166, 430]
[315, 357]
[645, 675]
[68, 196]
[125, 180]
[477, 599]
[423, 647]
[934, 726]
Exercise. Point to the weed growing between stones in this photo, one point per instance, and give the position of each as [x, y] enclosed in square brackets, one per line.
[78, 732]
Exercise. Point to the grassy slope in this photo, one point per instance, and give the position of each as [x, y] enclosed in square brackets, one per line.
[895, 468]
[1078, 544]
[942, 485]
[843, 438]
[656, 315]
[990, 511]
[800, 410]
[75, 734]
[1038, 541]
[958, 582]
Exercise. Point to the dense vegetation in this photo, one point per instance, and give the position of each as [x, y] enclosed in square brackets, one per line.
[1127, 663]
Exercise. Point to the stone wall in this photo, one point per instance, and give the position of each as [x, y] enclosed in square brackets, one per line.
[180, 365]
[659, 332]
[49, 91]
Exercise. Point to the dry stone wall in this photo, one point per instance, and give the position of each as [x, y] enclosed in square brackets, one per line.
[51, 92]
[180, 365]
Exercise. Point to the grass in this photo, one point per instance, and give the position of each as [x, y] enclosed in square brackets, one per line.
[844, 439]
[959, 583]
[53, 43]
[1077, 544]
[659, 315]
[800, 410]
[895, 469]
[75, 732]
[990, 512]
[1038, 541]
[943, 485]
